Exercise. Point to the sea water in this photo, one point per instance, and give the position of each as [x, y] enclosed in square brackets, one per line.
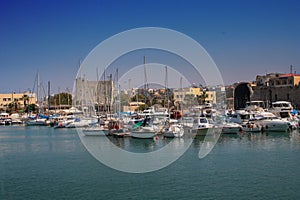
[46, 163]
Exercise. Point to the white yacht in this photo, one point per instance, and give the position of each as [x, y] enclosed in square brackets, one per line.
[269, 122]
[279, 106]
[244, 118]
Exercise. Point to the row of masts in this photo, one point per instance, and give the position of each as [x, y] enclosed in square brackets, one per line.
[43, 99]
[115, 102]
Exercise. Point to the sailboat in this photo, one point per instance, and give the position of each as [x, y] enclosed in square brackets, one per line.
[36, 120]
[100, 128]
[147, 130]
[172, 127]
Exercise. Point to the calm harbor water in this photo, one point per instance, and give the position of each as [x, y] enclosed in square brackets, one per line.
[44, 163]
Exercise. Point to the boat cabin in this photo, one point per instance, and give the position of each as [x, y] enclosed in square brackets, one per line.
[280, 106]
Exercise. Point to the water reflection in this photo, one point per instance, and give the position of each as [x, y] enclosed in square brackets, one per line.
[22, 139]
[136, 145]
[267, 136]
[295, 136]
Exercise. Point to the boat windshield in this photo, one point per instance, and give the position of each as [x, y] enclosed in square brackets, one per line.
[203, 120]
[245, 116]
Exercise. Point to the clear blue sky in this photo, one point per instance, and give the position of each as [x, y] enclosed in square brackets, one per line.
[245, 38]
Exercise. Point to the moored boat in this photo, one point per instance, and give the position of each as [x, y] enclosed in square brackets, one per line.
[96, 131]
[231, 128]
[269, 122]
[251, 127]
[173, 130]
[36, 122]
[201, 125]
[144, 133]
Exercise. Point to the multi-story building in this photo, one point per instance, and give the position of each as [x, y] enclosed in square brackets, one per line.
[278, 79]
[19, 100]
[183, 94]
[94, 93]
[277, 87]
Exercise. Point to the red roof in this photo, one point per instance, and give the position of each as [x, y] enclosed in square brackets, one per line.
[288, 75]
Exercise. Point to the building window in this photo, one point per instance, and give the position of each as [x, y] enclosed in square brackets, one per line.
[271, 82]
[288, 96]
[4, 99]
[284, 82]
[8, 99]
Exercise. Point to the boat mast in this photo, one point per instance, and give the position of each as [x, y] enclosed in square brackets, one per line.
[97, 92]
[37, 88]
[181, 97]
[118, 109]
[146, 81]
[110, 94]
[104, 92]
[166, 94]
[38, 91]
[166, 87]
[48, 97]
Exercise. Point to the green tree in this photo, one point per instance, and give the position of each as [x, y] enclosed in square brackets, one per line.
[25, 99]
[61, 99]
[31, 108]
[202, 98]
[138, 97]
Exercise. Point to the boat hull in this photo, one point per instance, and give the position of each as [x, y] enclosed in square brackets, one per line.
[35, 123]
[231, 130]
[143, 135]
[95, 132]
[201, 131]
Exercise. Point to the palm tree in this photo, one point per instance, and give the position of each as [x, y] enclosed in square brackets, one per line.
[25, 99]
